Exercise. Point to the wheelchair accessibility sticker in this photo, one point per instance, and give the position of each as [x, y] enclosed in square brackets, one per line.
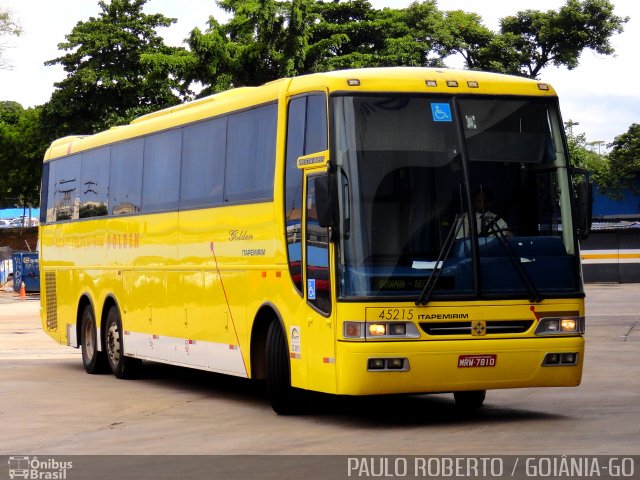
[311, 288]
[441, 112]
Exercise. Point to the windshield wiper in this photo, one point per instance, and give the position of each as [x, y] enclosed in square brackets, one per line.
[443, 255]
[534, 294]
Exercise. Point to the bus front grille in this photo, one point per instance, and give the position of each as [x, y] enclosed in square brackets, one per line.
[494, 327]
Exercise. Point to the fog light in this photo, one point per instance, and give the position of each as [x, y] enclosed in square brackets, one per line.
[376, 364]
[395, 363]
[377, 329]
[569, 358]
[568, 325]
[397, 329]
[552, 359]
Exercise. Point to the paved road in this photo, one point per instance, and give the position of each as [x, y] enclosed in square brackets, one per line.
[48, 405]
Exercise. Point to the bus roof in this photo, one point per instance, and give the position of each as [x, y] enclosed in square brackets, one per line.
[421, 79]
[383, 79]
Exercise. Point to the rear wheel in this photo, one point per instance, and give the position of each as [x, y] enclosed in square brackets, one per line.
[470, 400]
[94, 361]
[121, 366]
[285, 400]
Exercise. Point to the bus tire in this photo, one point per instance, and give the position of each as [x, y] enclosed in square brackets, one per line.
[93, 360]
[122, 367]
[285, 400]
[470, 400]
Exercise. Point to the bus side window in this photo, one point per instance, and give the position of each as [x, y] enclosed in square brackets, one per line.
[94, 184]
[125, 180]
[161, 171]
[316, 125]
[251, 147]
[203, 157]
[66, 181]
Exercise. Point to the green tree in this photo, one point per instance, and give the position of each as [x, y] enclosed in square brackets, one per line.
[112, 75]
[10, 112]
[624, 160]
[8, 27]
[532, 40]
[22, 147]
[266, 39]
[583, 157]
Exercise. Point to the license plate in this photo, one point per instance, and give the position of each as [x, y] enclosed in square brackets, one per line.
[475, 361]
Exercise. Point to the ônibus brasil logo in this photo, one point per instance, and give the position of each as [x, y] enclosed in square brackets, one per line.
[36, 469]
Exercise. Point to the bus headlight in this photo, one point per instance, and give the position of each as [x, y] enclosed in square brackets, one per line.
[560, 326]
[379, 330]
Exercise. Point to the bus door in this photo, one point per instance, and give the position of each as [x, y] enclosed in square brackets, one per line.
[320, 331]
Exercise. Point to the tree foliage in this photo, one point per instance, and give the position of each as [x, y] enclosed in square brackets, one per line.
[269, 39]
[265, 40]
[624, 160]
[8, 27]
[586, 158]
[22, 147]
[110, 77]
[532, 40]
[614, 172]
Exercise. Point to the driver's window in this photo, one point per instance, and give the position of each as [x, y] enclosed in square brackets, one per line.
[317, 255]
[306, 134]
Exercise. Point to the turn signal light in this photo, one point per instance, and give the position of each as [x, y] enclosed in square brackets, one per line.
[353, 329]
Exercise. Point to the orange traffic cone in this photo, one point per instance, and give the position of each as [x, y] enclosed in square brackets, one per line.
[23, 291]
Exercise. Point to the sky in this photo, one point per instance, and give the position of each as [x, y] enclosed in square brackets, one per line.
[600, 94]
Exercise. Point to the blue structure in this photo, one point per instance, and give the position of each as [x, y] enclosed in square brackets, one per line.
[605, 207]
[26, 268]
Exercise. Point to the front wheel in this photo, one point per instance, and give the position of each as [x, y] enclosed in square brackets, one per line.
[285, 400]
[470, 400]
[121, 366]
[93, 360]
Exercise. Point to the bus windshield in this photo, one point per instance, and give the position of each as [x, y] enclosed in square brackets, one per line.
[413, 170]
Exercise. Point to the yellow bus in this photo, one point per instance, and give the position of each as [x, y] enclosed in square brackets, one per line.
[314, 233]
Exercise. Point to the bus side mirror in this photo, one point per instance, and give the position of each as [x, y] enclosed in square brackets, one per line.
[326, 201]
[584, 204]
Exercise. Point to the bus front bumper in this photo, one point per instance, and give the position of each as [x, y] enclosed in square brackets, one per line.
[455, 365]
